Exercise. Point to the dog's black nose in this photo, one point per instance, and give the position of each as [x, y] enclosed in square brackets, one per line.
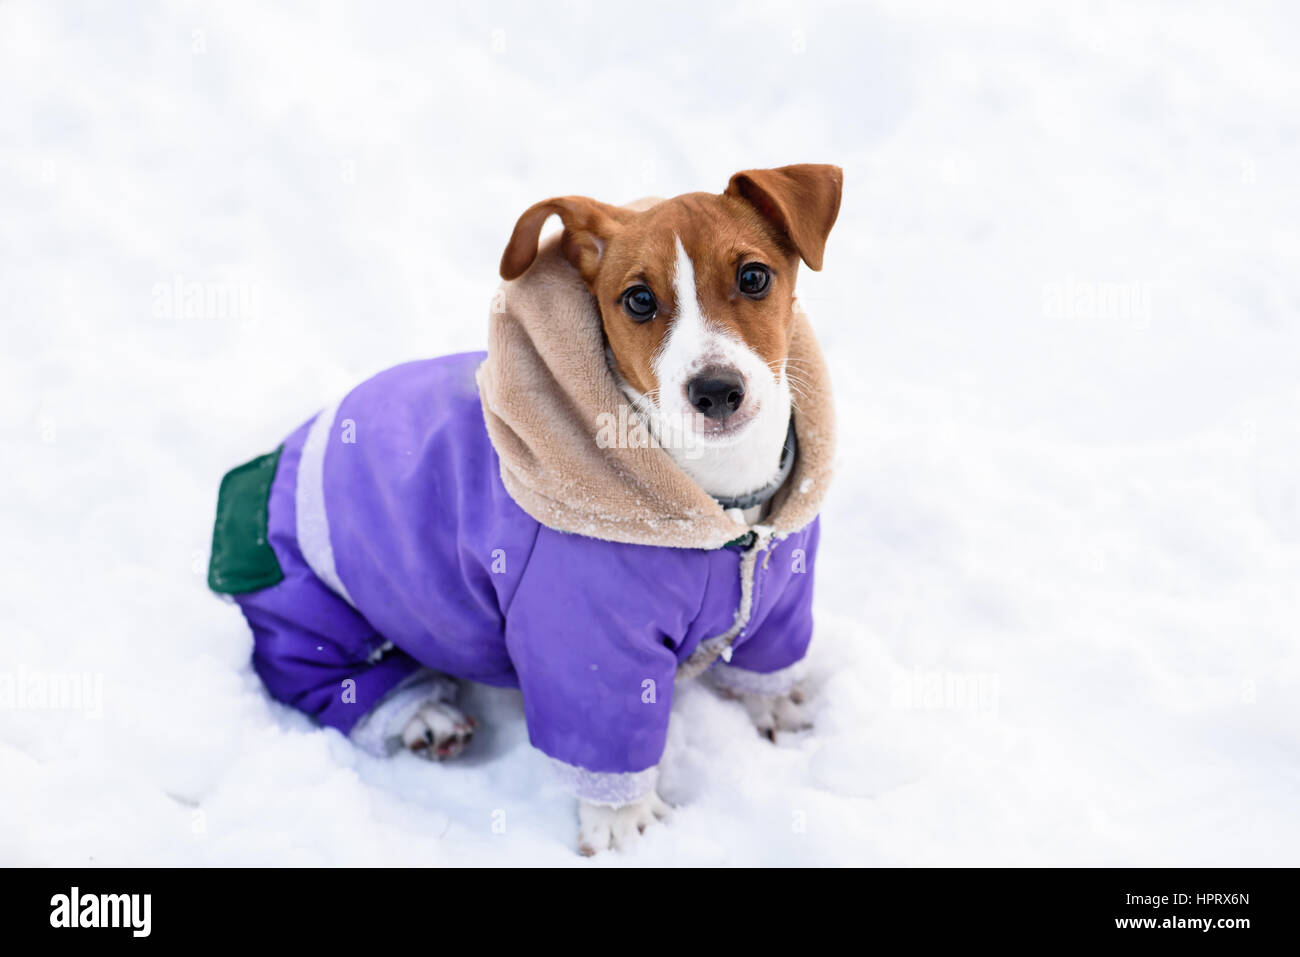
[717, 395]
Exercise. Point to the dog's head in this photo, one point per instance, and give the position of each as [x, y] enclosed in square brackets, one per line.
[696, 293]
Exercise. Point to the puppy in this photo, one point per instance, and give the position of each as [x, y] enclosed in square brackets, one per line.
[621, 493]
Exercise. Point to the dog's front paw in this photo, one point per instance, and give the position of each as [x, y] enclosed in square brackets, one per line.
[438, 731]
[773, 713]
[601, 827]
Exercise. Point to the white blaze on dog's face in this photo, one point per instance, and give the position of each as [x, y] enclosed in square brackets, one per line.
[696, 295]
[720, 404]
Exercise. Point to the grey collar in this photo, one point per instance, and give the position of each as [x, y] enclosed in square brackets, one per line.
[788, 452]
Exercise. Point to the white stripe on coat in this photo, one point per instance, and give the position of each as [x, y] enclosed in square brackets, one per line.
[312, 523]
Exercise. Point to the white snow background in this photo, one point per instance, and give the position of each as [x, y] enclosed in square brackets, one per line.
[1057, 597]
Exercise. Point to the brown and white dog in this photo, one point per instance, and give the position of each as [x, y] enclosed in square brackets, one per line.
[697, 297]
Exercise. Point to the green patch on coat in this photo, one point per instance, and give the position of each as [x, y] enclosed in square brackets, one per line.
[744, 541]
[242, 557]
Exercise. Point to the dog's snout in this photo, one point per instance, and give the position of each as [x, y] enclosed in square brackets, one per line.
[716, 394]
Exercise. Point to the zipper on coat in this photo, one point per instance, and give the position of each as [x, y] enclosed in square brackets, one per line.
[719, 646]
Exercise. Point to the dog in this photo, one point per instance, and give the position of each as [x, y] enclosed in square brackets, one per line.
[621, 494]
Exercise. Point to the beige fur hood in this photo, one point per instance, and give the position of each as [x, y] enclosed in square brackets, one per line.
[547, 390]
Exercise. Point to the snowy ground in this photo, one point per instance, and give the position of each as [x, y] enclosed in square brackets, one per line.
[1058, 606]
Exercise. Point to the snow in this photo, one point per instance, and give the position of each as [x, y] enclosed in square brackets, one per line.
[1057, 601]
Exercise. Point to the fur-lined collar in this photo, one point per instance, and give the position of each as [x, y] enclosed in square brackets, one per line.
[547, 392]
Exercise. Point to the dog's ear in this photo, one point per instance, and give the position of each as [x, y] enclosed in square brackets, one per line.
[587, 228]
[802, 201]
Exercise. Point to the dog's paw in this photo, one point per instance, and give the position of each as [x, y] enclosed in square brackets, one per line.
[773, 713]
[438, 731]
[601, 827]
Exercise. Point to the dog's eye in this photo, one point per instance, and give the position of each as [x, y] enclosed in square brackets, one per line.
[754, 280]
[639, 303]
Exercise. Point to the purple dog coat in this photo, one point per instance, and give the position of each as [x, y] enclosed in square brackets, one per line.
[389, 543]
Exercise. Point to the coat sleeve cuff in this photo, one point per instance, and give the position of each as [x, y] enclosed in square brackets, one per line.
[611, 788]
[379, 732]
[767, 684]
